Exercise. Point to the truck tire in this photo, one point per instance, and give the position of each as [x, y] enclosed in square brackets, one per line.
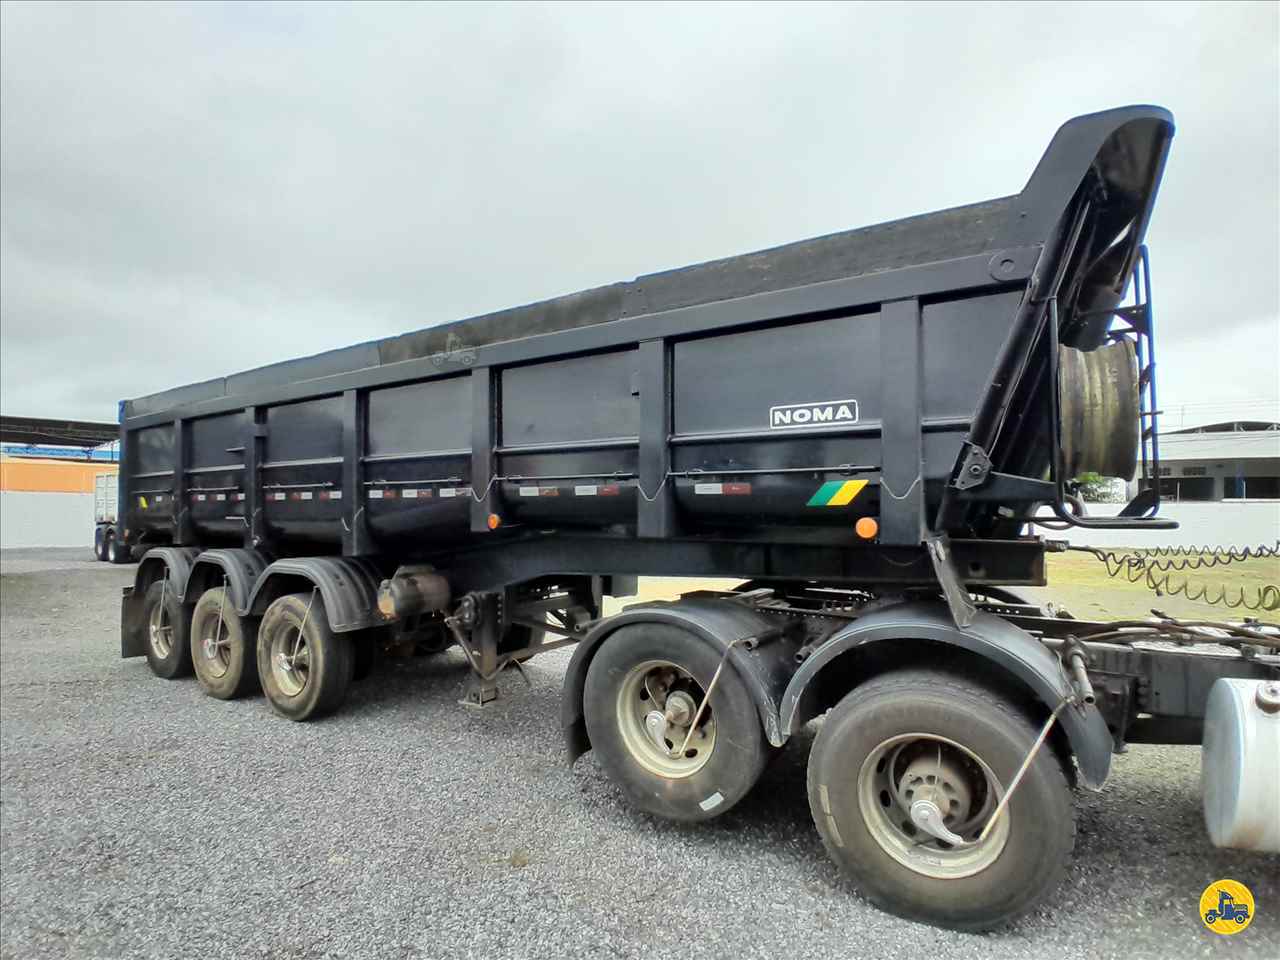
[304, 666]
[100, 543]
[914, 736]
[644, 685]
[168, 625]
[118, 551]
[223, 646]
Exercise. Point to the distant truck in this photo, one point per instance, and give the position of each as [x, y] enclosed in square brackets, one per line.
[859, 427]
[108, 540]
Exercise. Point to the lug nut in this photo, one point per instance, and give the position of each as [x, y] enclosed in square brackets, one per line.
[1268, 697]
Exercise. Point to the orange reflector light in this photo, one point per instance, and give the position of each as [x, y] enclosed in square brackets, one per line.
[495, 521]
[866, 527]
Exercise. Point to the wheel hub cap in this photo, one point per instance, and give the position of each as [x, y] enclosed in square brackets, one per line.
[655, 724]
[926, 815]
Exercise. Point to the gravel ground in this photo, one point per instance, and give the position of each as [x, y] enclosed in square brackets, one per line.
[142, 819]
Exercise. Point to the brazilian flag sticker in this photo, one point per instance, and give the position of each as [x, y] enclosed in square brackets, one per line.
[836, 493]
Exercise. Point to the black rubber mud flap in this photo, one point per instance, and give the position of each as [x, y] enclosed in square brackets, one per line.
[133, 640]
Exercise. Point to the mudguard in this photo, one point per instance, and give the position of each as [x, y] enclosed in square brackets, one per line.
[348, 586]
[177, 562]
[239, 569]
[997, 640]
[714, 621]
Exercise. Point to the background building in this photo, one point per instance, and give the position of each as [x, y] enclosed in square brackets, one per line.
[47, 469]
[1236, 460]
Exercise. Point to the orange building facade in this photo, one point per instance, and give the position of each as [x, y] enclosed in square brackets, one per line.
[32, 475]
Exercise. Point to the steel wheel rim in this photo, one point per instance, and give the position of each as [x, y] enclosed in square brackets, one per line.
[663, 687]
[290, 660]
[889, 773]
[216, 649]
[160, 633]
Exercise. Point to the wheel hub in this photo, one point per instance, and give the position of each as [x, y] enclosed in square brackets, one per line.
[680, 709]
[925, 799]
[161, 634]
[290, 662]
[927, 817]
[656, 712]
[936, 793]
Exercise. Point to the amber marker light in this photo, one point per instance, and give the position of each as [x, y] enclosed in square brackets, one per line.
[866, 528]
[495, 521]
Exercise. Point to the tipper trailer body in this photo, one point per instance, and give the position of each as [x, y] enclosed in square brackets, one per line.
[860, 426]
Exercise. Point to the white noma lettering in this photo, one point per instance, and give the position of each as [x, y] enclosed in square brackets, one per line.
[818, 414]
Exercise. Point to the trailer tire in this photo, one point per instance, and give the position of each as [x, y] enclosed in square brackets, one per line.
[688, 788]
[223, 647]
[118, 551]
[965, 888]
[304, 666]
[100, 543]
[168, 628]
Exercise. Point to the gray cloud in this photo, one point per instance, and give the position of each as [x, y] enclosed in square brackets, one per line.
[193, 190]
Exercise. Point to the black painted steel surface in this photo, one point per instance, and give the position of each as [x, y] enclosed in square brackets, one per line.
[768, 399]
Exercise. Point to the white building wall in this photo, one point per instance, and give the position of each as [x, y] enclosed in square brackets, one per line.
[1225, 524]
[46, 519]
[1219, 471]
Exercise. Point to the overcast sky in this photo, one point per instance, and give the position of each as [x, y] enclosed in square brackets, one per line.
[189, 191]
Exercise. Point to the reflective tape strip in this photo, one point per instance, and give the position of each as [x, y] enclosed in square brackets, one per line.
[588, 490]
[409, 493]
[448, 492]
[375, 494]
[529, 491]
[307, 495]
[725, 489]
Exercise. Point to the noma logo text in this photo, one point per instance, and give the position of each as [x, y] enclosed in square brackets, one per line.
[824, 413]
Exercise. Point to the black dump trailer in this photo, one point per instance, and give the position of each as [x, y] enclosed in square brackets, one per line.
[859, 427]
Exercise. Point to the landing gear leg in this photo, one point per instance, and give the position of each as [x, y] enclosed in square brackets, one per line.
[477, 626]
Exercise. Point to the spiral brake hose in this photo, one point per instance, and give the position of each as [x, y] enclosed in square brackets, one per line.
[1155, 568]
